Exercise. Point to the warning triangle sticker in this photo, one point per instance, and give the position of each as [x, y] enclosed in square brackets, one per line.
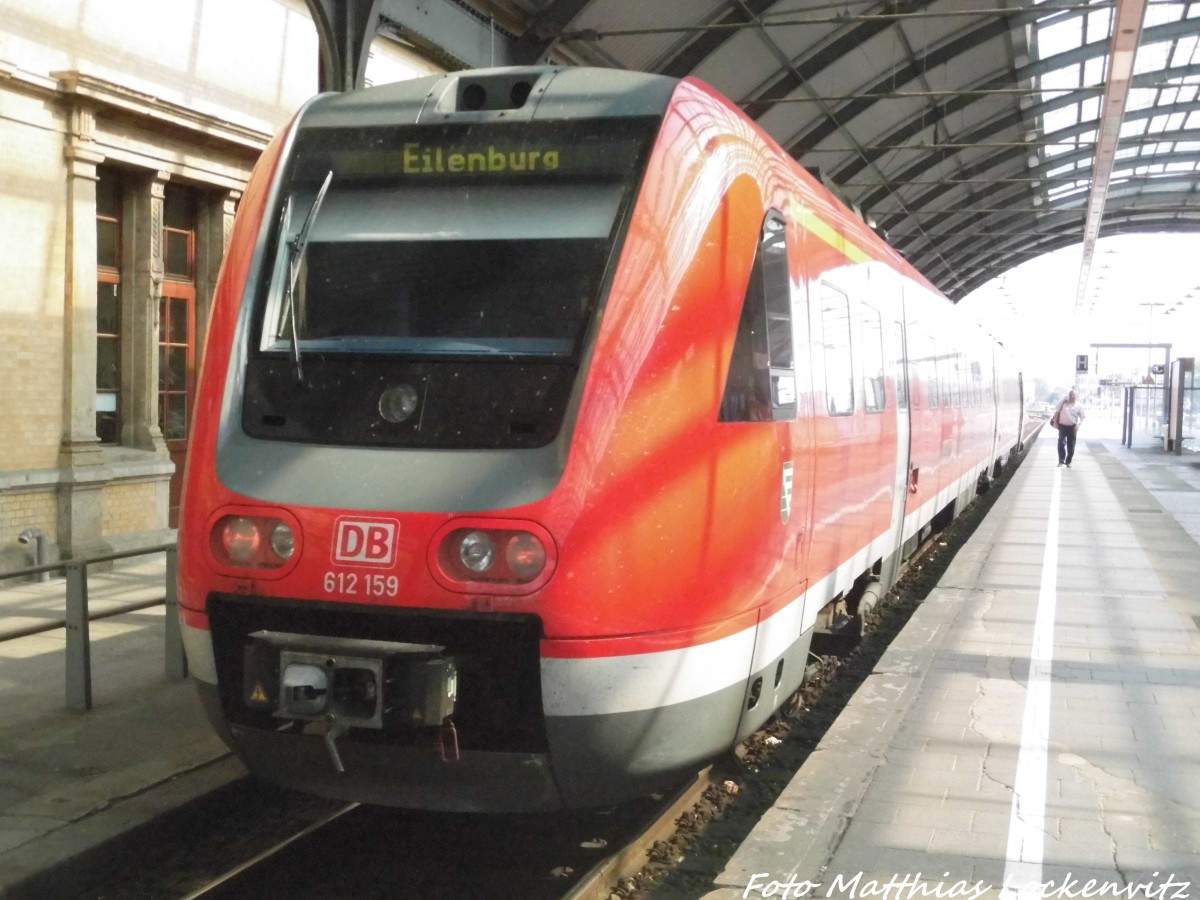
[258, 695]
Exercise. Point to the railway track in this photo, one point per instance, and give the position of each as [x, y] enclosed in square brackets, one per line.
[349, 851]
[229, 881]
[570, 856]
[369, 852]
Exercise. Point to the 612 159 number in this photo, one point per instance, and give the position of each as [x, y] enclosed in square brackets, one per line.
[357, 585]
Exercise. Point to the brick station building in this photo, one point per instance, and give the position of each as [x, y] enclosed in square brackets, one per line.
[129, 129]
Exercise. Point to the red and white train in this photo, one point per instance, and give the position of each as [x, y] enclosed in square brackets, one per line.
[544, 413]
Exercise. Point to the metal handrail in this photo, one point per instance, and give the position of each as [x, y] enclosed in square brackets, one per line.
[108, 557]
[77, 620]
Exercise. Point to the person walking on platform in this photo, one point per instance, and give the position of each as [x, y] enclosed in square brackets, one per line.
[1067, 419]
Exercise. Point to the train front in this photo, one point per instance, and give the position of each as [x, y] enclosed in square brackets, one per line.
[387, 407]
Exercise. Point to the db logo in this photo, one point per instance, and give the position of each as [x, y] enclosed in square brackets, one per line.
[365, 542]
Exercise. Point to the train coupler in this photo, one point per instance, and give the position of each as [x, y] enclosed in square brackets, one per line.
[336, 730]
[344, 683]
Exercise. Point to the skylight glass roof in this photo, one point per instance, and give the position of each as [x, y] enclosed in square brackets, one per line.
[1157, 113]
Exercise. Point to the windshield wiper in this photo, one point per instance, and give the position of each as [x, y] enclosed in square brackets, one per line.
[296, 247]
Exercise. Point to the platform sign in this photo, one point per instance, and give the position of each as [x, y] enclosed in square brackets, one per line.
[1081, 363]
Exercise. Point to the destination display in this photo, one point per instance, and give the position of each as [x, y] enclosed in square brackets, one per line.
[587, 149]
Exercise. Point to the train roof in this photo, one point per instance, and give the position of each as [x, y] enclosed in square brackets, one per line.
[550, 93]
[533, 93]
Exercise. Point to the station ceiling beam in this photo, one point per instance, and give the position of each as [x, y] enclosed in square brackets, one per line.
[1126, 35]
[457, 36]
[345, 29]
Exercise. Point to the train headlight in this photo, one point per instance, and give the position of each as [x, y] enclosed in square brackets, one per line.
[283, 541]
[477, 551]
[492, 556]
[252, 542]
[398, 402]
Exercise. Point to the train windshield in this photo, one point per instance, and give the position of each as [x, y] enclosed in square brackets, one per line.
[448, 240]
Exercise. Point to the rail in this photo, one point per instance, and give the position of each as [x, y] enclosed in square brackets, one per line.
[77, 620]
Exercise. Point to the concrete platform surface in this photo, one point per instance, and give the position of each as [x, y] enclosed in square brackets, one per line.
[73, 782]
[1036, 726]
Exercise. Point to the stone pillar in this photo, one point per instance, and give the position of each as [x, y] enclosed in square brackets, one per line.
[80, 498]
[142, 260]
[214, 228]
[80, 444]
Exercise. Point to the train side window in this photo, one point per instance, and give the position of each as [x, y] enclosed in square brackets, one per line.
[938, 370]
[929, 374]
[761, 385]
[835, 328]
[872, 359]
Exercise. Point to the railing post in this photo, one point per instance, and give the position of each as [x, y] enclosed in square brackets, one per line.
[79, 649]
[176, 659]
[1127, 417]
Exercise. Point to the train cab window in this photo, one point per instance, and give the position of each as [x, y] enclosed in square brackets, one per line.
[872, 359]
[835, 330]
[412, 266]
[390, 258]
[761, 385]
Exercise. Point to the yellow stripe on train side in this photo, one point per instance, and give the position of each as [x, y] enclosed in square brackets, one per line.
[809, 220]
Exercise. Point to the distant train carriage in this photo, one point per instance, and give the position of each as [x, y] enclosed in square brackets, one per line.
[546, 413]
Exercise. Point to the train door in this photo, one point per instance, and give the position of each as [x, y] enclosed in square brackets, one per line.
[895, 352]
[996, 393]
[1020, 411]
[768, 379]
[768, 383]
[802, 457]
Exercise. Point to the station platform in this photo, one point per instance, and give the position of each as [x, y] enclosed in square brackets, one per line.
[1057, 669]
[72, 783]
[1036, 726]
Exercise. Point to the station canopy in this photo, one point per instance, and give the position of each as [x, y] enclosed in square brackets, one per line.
[974, 134]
